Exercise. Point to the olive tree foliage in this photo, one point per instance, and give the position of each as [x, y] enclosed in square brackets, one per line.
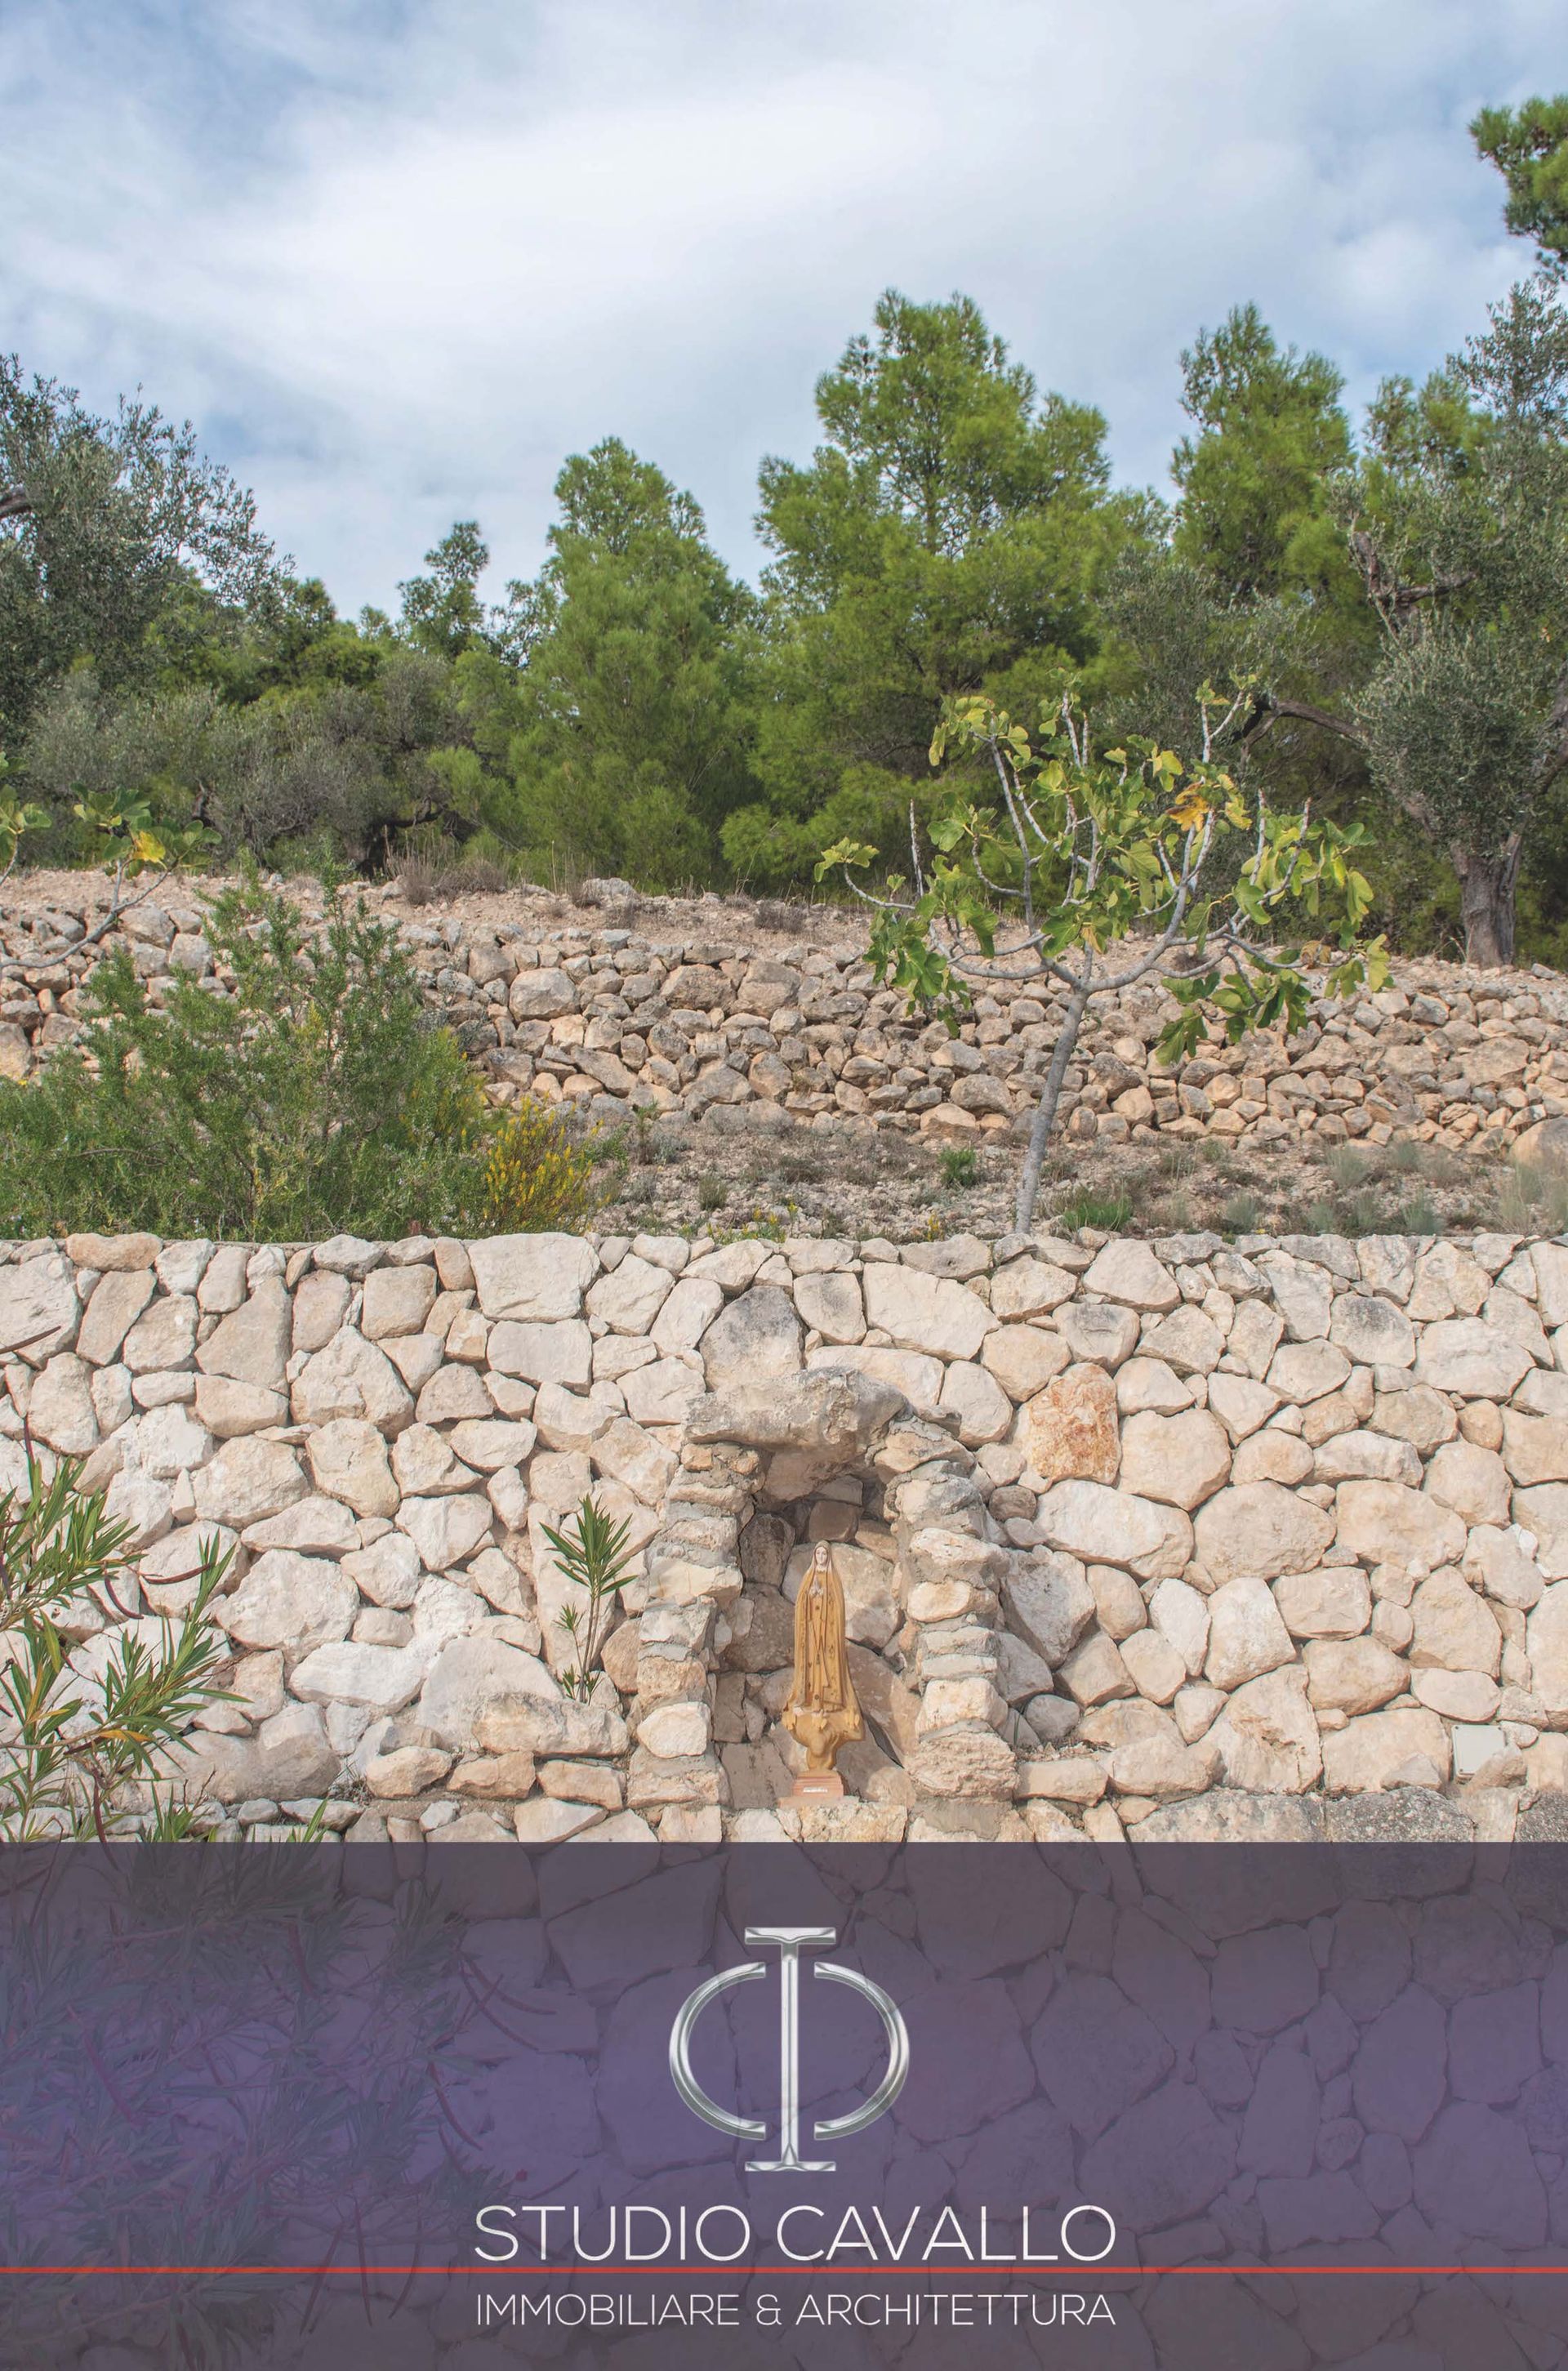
[1458, 521]
[103, 521]
[354, 763]
[1089, 873]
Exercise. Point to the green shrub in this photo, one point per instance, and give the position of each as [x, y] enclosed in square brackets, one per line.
[319, 1096]
[960, 1165]
[540, 1177]
[1090, 1208]
[77, 1739]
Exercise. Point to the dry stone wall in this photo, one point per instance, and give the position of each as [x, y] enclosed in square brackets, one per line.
[1130, 1531]
[686, 1026]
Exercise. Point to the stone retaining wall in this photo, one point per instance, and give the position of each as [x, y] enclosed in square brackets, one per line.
[1127, 1530]
[642, 1018]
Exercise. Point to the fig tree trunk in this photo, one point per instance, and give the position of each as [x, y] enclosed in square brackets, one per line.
[1486, 902]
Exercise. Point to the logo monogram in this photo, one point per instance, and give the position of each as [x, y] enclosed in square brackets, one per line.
[789, 1942]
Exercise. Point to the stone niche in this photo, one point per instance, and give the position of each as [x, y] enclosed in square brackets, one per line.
[765, 1471]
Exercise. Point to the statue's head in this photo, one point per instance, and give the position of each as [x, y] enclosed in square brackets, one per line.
[823, 1558]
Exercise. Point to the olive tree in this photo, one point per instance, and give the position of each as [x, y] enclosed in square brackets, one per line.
[1094, 868]
[1458, 521]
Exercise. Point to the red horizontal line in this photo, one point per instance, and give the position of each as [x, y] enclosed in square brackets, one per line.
[784, 2272]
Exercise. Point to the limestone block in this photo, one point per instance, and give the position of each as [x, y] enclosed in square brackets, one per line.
[118, 1299]
[408, 1770]
[1181, 1614]
[927, 1314]
[1448, 1283]
[1157, 1671]
[488, 1443]
[289, 1757]
[1544, 1512]
[1145, 1386]
[61, 1410]
[1050, 1605]
[351, 1377]
[972, 1763]
[247, 1480]
[387, 1572]
[1459, 1695]
[1127, 1270]
[396, 1300]
[538, 1277]
[1535, 1447]
[1029, 1288]
[1258, 1530]
[833, 1304]
[112, 1253]
[1366, 1755]
[1255, 1333]
[541, 995]
[347, 1461]
[251, 1344]
[1420, 1415]
[424, 1464]
[1069, 1430]
[630, 1297]
[627, 1453]
[1266, 1738]
[691, 1308]
[1106, 1526]
[1101, 1331]
[1358, 1456]
[171, 1571]
[1300, 1293]
[1332, 1602]
[1186, 1340]
[552, 1352]
[289, 1601]
[1304, 1371]
[1351, 1676]
[1023, 1359]
[1181, 1460]
[1372, 1331]
[1467, 1355]
[163, 1337]
[455, 1394]
[973, 1395]
[1382, 1522]
[316, 1526]
[1550, 1262]
[1241, 1404]
[229, 1410]
[39, 1308]
[320, 1305]
[446, 1529]
[1247, 1636]
[383, 1679]
[1547, 1637]
[1498, 1562]
[170, 1441]
[1474, 1482]
[1455, 1627]
[475, 1680]
[756, 1333]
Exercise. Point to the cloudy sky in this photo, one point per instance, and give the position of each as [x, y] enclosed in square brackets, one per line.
[396, 258]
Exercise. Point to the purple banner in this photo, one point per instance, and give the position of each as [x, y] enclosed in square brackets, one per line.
[434, 2109]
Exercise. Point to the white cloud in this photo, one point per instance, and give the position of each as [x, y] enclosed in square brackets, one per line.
[397, 260]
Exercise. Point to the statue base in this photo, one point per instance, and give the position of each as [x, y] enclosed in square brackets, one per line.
[815, 1786]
